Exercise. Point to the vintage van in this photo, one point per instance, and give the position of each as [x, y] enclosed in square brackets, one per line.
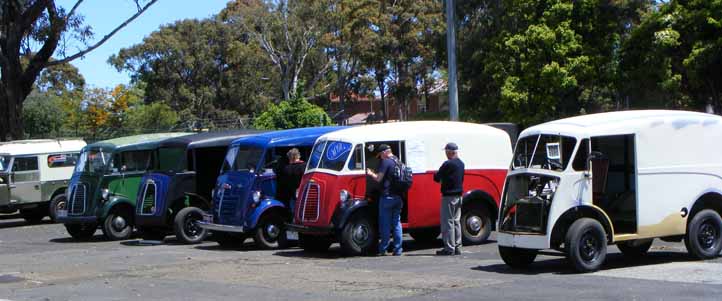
[625, 178]
[34, 175]
[105, 183]
[244, 199]
[173, 196]
[337, 202]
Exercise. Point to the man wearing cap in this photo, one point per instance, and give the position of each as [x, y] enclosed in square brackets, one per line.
[390, 202]
[451, 176]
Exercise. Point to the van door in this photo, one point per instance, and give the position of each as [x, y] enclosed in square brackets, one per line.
[4, 189]
[373, 188]
[25, 180]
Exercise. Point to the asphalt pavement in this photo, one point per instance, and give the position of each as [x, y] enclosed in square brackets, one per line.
[41, 262]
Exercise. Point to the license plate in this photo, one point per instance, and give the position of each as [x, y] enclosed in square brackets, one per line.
[208, 218]
[61, 213]
[292, 235]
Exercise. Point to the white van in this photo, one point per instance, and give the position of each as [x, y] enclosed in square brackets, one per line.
[578, 184]
[35, 172]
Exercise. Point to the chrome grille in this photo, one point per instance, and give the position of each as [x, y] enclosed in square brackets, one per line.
[311, 200]
[77, 205]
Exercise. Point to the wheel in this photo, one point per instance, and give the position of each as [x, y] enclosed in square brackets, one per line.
[586, 245]
[703, 235]
[152, 234]
[635, 249]
[359, 236]
[59, 202]
[313, 243]
[475, 225]
[227, 240]
[34, 215]
[81, 231]
[427, 235]
[185, 226]
[117, 226]
[271, 232]
[516, 257]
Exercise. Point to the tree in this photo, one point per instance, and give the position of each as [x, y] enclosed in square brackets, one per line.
[31, 32]
[154, 117]
[294, 113]
[287, 30]
[200, 67]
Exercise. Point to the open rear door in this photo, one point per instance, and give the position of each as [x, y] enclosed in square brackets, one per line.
[4, 190]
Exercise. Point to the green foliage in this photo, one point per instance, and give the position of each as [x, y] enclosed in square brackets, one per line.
[294, 113]
[43, 115]
[155, 117]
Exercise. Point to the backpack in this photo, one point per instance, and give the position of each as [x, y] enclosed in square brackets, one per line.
[401, 177]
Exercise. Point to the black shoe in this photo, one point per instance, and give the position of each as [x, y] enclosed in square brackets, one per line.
[444, 252]
[457, 251]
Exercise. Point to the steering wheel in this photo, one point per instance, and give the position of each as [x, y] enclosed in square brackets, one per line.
[552, 165]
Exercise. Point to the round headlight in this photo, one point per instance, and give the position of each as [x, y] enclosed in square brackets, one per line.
[256, 196]
[344, 196]
[105, 194]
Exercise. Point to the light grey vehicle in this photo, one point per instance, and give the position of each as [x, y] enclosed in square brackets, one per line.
[34, 175]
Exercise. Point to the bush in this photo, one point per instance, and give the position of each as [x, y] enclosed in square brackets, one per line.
[293, 113]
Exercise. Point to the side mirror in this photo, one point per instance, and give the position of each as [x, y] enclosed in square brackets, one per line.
[592, 156]
[123, 168]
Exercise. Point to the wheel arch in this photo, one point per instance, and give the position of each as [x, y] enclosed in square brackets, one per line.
[709, 200]
[266, 207]
[58, 191]
[565, 220]
[343, 214]
[479, 197]
[119, 204]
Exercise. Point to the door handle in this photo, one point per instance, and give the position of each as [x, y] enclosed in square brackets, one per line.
[37, 187]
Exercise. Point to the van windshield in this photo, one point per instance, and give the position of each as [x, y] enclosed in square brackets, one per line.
[334, 155]
[242, 158]
[94, 161]
[551, 152]
[4, 163]
[316, 155]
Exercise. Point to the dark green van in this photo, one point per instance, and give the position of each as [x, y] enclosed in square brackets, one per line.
[105, 183]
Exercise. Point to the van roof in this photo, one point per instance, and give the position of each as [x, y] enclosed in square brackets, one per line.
[402, 130]
[40, 146]
[145, 141]
[208, 139]
[292, 137]
[622, 122]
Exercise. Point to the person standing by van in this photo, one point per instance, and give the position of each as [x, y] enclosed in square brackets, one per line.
[390, 202]
[290, 177]
[451, 177]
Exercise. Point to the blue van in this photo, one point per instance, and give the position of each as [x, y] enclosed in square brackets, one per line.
[244, 199]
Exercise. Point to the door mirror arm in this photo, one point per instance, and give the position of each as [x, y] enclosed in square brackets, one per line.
[592, 156]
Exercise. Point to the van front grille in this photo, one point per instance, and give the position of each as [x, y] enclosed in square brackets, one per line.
[310, 204]
[77, 199]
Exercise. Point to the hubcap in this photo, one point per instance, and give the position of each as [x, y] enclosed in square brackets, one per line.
[360, 233]
[707, 235]
[589, 247]
[272, 231]
[191, 226]
[119, 223]
[474, 224]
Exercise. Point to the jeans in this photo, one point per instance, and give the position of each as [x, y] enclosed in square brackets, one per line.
[450, 222]
[390, 222]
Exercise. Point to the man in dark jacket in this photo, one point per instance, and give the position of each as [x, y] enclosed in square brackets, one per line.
[390, 203]
[289, 178]
[451, 176]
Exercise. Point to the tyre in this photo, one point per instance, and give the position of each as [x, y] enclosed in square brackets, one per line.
[476, 225]
[34, 215]
[425, 236]
[313, 243]
[152, 234]
[228, 240]
[634, 249]
[81, 231]
[586, 245]
[517, 258]
[185, 227]
[703, 235]
[271, 232]
[117, 225]
[359, 236]
[59, 202]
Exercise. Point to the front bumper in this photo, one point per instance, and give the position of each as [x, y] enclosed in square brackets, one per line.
[76, 219]
[221, 228]
[310, 230]
[524, 241]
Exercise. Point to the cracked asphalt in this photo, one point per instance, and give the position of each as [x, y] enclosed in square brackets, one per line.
[41, 262]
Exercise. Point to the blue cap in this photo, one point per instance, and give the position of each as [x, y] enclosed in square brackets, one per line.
[451, 146]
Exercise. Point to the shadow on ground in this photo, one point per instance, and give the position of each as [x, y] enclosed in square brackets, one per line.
[560, 265]
[68, 239]
[15, 220]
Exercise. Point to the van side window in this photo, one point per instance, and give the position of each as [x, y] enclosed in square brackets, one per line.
[25, 164]
[137, 160]
[63, 160]
[356, 161]
[580, 160]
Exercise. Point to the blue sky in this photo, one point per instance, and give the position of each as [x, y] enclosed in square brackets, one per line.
[104, 15]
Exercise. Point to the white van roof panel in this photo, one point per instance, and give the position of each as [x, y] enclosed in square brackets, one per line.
[44, 146]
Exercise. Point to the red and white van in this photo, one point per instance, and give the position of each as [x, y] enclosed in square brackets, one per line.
[337, 202]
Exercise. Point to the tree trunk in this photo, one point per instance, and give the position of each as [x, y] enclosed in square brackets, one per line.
[11, 125]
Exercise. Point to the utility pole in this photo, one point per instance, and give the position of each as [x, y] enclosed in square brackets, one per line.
[451, 51]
